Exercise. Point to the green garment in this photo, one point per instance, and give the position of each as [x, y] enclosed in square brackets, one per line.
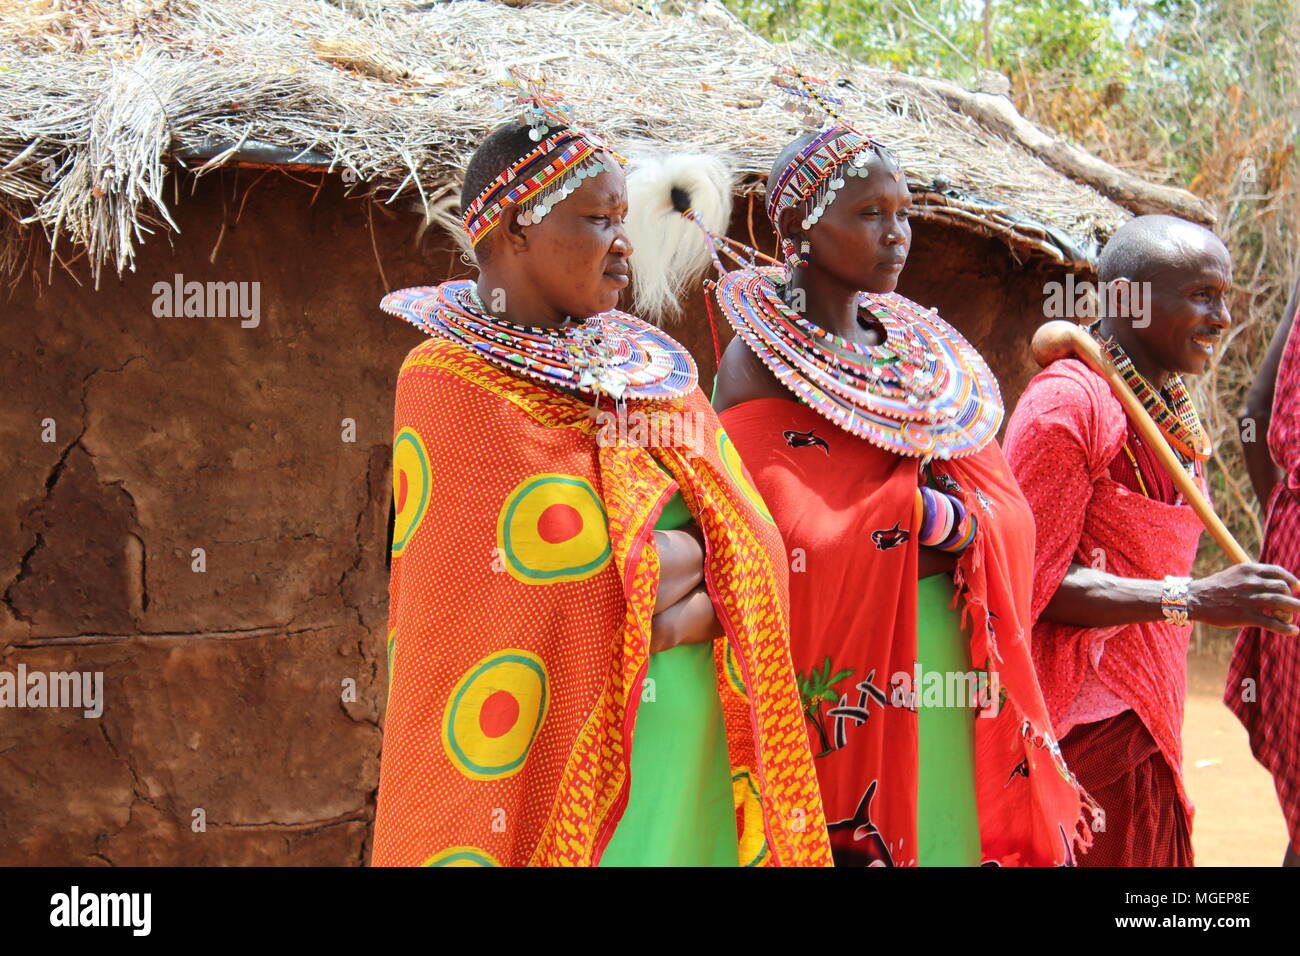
[680, 810]
[947, 822]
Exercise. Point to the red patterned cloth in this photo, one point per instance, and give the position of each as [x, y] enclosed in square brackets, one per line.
[846, 510]
[1144, 823]
[520, 605]
[1061, 443]
[1263, 687]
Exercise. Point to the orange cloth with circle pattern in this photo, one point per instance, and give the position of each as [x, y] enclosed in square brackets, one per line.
[523, 582]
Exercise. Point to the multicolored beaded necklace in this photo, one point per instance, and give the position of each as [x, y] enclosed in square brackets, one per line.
[1175, 415]
[925, 392]
[612, 354]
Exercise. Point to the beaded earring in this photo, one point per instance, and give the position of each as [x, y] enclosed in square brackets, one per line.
[799, 259]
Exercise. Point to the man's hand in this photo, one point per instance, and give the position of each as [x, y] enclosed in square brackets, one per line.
[1245, 595]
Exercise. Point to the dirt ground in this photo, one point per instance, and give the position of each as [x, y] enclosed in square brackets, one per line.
[1237, 822]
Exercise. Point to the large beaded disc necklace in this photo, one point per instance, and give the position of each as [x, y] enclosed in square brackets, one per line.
[924, 392]
[612, 354]
[1173, 412]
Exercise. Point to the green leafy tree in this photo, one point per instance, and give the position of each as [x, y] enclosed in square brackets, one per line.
[818, 693]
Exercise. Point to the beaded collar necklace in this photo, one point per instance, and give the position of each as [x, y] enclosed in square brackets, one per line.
[924, 392]
[1176, 417]
[611, 354]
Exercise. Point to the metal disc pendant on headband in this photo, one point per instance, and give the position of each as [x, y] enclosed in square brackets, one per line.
[923, 392]
[611, 354]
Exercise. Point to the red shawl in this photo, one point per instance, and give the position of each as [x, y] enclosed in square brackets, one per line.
[1263, 687]
[1060, 441]
[846, 511]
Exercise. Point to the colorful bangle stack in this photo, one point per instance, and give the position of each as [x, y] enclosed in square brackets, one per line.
[943, 522]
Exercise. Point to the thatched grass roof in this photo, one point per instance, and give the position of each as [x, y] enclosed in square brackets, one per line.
[97, 98]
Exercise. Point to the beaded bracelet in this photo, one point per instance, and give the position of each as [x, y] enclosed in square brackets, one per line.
[1173, 600]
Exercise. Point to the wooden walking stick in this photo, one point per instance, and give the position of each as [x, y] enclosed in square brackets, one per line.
[1062, 339]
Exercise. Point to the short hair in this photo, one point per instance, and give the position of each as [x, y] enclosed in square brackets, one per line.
[1147, 244]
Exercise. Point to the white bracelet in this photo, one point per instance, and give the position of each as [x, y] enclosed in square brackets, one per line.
[1173, 600]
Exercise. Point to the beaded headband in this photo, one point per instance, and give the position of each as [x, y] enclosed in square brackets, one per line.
[535, 182]
[817, 171]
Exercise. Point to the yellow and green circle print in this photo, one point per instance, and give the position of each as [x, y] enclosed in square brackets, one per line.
[753, 839]
[410, 486]
[736, 469]
[553, 528]
[494, 713]
[461, 856]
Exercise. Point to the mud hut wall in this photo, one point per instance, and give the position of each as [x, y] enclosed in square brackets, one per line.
[230, 732]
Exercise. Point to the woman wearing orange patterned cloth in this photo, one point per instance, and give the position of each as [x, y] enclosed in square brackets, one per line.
[531, 592]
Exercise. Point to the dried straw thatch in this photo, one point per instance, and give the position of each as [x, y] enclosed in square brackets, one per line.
[98, 98]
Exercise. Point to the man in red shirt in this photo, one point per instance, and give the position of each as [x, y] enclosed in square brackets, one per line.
[1113, 596]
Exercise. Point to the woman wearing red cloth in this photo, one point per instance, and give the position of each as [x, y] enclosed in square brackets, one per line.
[1112, 594]
[868, 424]
[1264, 678]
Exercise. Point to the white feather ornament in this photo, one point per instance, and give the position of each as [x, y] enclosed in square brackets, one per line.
[669, 252]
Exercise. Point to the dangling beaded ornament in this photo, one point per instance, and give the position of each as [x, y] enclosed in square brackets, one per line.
[800, 259]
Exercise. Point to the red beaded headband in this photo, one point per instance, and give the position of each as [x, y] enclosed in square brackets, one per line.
[819, 168]
[545, 175]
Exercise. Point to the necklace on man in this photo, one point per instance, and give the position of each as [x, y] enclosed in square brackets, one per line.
[1170, 408]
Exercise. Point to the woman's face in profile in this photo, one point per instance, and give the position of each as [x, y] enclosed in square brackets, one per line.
[577, 256]
[863, 237]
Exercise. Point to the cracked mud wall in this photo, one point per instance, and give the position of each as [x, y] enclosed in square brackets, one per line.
[223, 688]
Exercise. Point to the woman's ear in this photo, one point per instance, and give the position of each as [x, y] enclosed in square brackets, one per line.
[512, 229]
[789, 223]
